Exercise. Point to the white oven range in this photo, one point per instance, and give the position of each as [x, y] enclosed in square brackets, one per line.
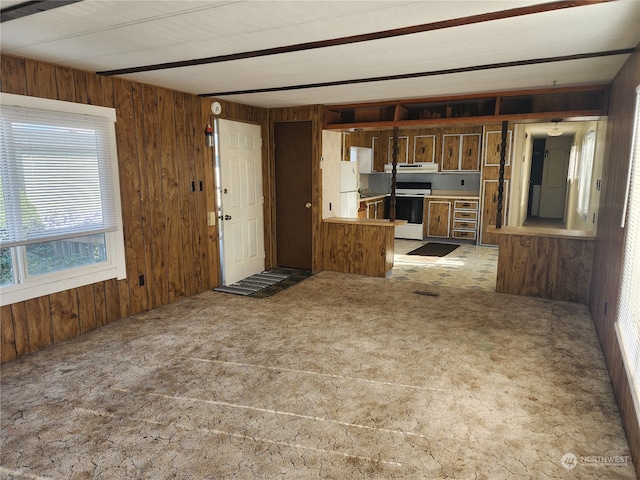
[409, 207]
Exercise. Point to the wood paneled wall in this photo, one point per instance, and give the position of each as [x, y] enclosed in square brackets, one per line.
[162, 155]
[608, 253]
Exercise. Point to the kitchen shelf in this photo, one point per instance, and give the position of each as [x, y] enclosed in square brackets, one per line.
[542, 104]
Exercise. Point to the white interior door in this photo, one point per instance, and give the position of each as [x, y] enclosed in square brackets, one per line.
[241, 199]
[554, 178]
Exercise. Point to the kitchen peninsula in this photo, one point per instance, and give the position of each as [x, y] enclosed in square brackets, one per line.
[545, 262]
[363, 246]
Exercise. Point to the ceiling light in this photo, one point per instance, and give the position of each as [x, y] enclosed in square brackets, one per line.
[555, 131]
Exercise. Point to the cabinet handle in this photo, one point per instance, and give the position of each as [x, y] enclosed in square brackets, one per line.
[497, 148]
[438, 218]
[494, 198]
[470, 152]
[450, 152]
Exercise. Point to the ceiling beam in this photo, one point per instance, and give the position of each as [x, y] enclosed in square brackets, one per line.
[29, 8]
[432, 73]
[366, 37]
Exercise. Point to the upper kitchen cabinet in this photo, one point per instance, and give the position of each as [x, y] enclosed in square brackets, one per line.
[424, 148]
[460, 152]
[493, 146]
[542, 104]
[403, 149]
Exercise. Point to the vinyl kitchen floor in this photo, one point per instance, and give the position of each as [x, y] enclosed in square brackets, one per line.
[468, 266]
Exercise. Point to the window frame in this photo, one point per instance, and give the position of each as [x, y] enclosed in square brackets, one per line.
[628, 332]
[115, 266]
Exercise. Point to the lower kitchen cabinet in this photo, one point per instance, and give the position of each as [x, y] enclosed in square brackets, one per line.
[438, 218]
[453, 218]
[465, 219]
[490, 210]
[375, 209]
[362, 210]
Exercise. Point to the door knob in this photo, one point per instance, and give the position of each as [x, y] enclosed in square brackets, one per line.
[227, 217]
[307, 205]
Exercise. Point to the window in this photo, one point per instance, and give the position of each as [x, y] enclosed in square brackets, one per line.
[60, 218]
[586, 167]
[628, 321]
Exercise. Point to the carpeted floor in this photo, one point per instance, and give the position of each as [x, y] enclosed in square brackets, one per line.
[339, 376]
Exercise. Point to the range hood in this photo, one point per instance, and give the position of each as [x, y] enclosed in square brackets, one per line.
[413, 168]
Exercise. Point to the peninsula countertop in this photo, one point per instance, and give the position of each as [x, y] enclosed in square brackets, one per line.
[371, 222]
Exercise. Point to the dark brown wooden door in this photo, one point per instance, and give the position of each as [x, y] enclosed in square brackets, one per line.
[293, 154]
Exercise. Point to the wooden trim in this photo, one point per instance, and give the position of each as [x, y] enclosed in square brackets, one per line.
[472, 96]
[579, 103]
[366, 37]
[431, 73]
[24, 9]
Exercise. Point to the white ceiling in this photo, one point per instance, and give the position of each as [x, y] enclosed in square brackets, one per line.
[100, 35]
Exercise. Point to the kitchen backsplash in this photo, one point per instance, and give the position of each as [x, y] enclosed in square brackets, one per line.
[381, 182]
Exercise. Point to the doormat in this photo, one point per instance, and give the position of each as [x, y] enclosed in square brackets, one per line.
[266, 283]
[295, 277]
[433, 249]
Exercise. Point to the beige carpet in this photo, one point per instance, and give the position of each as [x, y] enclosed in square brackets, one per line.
[340, 376]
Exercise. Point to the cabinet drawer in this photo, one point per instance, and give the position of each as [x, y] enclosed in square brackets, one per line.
[465, 215]
[467, 234]
[464, 225]
[466, 205]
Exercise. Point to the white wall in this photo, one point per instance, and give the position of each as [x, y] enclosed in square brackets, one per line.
[331, 158]
[520, 173]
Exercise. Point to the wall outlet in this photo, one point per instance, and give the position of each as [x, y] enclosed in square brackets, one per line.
[462, 182]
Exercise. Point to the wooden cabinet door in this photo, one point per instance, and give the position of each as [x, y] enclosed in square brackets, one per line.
[424, 148]
[450, 152]
[490, 209]
[379, 156]
[362, 210]
[493, 141]
[470, 152]
[371, 210]
[403, 150]
[439, 218]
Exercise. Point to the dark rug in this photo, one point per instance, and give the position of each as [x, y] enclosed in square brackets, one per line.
[433, 249]
[266, 284]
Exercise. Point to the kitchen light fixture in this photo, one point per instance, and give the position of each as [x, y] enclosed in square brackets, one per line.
[555, 131]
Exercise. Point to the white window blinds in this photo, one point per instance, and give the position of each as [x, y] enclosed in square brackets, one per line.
[628, 321]
[56, 176]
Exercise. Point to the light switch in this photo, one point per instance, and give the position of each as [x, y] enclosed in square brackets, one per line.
[211, 219]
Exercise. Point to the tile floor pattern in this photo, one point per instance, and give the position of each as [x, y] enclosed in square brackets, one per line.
[468, 266]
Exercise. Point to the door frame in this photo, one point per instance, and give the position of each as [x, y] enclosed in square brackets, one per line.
[218, 193]
[313, 113]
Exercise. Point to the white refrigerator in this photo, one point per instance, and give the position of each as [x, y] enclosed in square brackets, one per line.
[349, 185]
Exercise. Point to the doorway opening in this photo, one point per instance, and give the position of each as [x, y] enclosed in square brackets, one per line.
[548, 190]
